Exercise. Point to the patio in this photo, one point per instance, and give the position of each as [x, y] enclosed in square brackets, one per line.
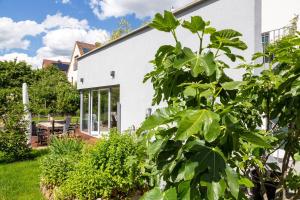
[44, 130]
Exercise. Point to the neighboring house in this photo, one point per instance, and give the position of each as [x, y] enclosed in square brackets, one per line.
[80, 48]
[110, 78]
[63, 66]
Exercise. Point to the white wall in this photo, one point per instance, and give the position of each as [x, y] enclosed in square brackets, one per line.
[71, 73]
[130, 57]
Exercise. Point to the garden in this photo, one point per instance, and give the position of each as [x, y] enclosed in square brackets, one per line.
[215, 139]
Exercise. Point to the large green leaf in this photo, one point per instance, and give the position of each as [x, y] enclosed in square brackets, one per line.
[170, 194]
[162, 53]
[196, 24]
[154, 148]
[233, 182]
[227, 37]
[165, 23]
[197, 63]
[246, 182]
[232, 85]
[194, 122]
[207, 158]
[209, 64]
[187, 171]
[215, 190]
[154, 194]
[184, 190]
[160, 117]
[255, 139]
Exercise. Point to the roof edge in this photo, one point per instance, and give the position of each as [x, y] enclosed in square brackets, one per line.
[138, 30]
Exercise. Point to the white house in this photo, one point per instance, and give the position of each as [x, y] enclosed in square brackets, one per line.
[110, 77]
[79, 49]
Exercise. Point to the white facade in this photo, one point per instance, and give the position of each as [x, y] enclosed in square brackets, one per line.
[129, 56]
[72, 71]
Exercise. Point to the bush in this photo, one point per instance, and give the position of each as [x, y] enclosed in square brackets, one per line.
[13, 139]
[63, 156]
[13, 145]
[112, 169]
[63, 146]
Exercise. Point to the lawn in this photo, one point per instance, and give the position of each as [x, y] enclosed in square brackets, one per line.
[20, 180]
[74, 119]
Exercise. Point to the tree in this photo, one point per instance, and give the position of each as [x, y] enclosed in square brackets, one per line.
[12, 75]
[13, 141]
[124, 27]
[276, 95]
[199, 144]
[52, 93]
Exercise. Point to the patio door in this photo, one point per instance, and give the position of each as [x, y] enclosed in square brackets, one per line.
[104, 111]
[100, 110]
[95, 112]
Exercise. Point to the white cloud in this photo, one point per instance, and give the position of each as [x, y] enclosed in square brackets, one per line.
[61, 32]
[140, 8]
[66, 1]
[12, 34]
[59, 21]
[56, 45]
[21, 57]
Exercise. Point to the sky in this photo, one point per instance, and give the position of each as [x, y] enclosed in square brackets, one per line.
[32, 30]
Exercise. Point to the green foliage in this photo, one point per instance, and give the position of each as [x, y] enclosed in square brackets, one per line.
[124, 27]
[276, 95]
[202, 145]
[63, 146]
[114, 168]
[52, 93]
[13, 140]
[62, 158]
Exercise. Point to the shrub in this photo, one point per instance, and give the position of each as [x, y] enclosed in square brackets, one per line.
[13, 145]
[13, 139]
[112, 169]
[63, 146]
[63, 156]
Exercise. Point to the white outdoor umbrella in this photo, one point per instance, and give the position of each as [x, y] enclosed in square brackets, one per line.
[27, 116]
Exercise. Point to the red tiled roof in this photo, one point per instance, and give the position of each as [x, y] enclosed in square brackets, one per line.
[85, 47]
[61, 65]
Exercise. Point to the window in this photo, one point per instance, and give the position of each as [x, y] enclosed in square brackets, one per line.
[85, 50]
[75, 66]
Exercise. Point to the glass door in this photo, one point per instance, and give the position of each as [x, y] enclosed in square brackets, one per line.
[95, 112]
[85, 111]
[104, 111]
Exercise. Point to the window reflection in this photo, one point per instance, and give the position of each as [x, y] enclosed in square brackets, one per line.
[103, 110]
[115, 95]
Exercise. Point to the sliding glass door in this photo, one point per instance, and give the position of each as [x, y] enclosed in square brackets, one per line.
[95, 112]
[104, 111]
[100, 110]
[85, 111]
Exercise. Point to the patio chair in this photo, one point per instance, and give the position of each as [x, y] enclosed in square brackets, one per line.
[34, 129]
[42, 136]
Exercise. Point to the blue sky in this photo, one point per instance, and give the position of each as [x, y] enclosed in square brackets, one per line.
[35, 29]
[38, 10]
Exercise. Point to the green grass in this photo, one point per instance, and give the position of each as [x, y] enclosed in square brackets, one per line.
[20, 180]
[74, 119]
